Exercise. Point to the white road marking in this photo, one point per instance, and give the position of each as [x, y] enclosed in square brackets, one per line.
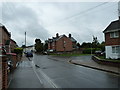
[45, 76]
[36, 72]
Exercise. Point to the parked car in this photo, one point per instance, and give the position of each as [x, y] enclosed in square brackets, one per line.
[45, 53]
[29, 54]
[51, 50]
[98, 53]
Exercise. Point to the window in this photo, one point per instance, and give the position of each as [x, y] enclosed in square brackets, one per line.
[116, 49]
[113, 49]
[114, 34]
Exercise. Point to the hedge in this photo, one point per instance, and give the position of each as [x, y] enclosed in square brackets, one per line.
[18, 51]
[88, 50]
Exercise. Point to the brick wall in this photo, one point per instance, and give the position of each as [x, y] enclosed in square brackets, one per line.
[0, 73]
[60, 46]
[4, 73]
[111, 41]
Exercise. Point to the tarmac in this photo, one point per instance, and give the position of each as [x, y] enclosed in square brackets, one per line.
[89, 64]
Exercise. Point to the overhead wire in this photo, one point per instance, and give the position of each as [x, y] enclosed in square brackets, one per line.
[78, 14]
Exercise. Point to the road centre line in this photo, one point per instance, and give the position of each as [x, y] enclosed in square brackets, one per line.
[45, 76]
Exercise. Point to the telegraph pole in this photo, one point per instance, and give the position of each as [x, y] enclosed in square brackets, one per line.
[25, 41]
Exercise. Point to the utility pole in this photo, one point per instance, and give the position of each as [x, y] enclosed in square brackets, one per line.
[25, 41]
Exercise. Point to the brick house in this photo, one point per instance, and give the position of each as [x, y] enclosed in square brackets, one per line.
[9, 45]
[62, 43]
[4, 38]
[4, 34]
[13, 45]
[112, 40]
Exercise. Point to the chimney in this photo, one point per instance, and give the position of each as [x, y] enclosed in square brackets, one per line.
[57, 35]
[69, 35]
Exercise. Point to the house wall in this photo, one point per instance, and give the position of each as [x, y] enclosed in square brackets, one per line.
[12, 45]
[0, 35]
[49, 45]
[111, 41]
[109, 53]
[53, 45]
[60, 44]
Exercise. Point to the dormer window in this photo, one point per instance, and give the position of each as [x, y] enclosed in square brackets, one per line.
[114, 34]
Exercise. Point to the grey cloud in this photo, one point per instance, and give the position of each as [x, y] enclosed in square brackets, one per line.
[21, 18]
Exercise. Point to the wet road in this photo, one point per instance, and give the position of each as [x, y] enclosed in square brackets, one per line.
[61, 74]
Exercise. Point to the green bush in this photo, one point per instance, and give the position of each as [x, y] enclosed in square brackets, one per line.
[88, 50]
[18, 51]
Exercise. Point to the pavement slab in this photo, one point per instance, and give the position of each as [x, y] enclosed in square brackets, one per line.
[24, 76]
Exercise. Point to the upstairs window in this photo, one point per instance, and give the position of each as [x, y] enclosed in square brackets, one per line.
[114, 34]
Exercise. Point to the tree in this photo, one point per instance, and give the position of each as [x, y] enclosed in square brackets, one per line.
[23, 46]
[78, 45]
[95, 42]
[102, 46]
[86, 45]
[38, 45]
[45, 46]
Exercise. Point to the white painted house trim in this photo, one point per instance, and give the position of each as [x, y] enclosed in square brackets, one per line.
[110, 54]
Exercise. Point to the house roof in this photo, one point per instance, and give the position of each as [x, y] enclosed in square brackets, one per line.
[113, 26]
[61, 37]
[13, 41]
[56, 39]
[72, 39]
[3, 27]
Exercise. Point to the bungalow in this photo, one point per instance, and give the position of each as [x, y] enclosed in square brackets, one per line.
[62, 43]
[112, 40]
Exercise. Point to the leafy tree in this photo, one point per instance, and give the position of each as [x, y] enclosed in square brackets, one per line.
[23, 46]
[45, 46]
[95, 42]
[37, 41]
[86, 45]
[102, 46]
[38, 45]
[78, 45]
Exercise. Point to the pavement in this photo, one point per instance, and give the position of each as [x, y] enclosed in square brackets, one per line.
[95, 65]
[24, 76]
[86, 61]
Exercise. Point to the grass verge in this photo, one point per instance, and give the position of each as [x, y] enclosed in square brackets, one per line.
[111, 60]
[68, 54]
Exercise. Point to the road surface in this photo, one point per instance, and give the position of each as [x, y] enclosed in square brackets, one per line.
[62, 74]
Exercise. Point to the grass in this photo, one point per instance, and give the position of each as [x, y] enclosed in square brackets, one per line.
[68, 54]
[112, 60]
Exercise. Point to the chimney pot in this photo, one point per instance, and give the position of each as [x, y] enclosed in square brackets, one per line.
[57, 35]
[69, 35]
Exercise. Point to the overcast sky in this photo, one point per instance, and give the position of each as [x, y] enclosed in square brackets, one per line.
[44, 19]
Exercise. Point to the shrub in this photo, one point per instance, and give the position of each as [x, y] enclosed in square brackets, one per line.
[18, 51]
[88, 50]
